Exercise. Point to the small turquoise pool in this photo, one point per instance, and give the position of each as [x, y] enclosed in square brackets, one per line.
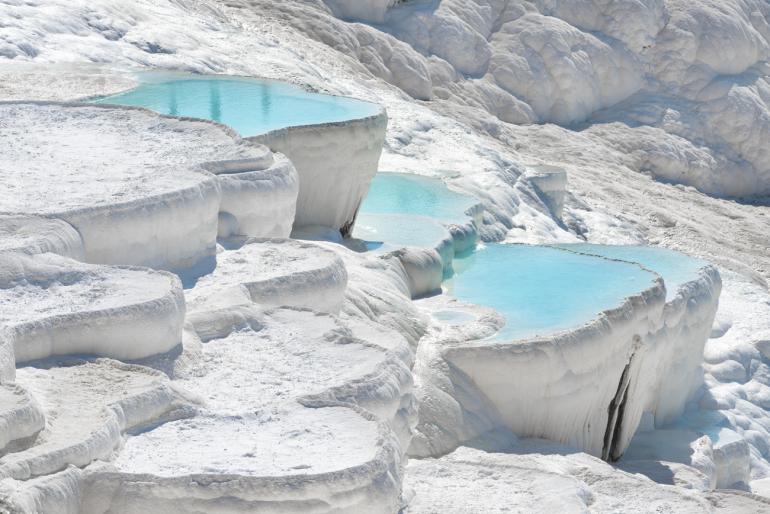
[675, 268]
[401, 193]
[541, 290]
[397, 230]
[250, 106]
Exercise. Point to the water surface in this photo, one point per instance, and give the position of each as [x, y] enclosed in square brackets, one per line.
[399, 230]
[403, 193]
[676, 268]
[249, 106]
[541, 290]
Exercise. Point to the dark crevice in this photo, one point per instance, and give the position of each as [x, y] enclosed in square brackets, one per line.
[615, 452]
[615, 411]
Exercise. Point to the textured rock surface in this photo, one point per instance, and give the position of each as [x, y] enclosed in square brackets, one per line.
[648, 93]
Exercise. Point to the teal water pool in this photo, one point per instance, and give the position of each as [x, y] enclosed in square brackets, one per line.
[402, 193]
[397, 230]
[538, 289]
[249, 106]
[676, 268]
[541, 290]
[388, 232]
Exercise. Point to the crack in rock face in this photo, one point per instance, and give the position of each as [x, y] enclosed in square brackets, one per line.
[610, 451]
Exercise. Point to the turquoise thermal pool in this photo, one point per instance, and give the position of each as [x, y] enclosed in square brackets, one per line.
[402, 193]
[390, 231]
[409, 210]
[541, 290]
[675, 268]
[249, 106]
[538, 289]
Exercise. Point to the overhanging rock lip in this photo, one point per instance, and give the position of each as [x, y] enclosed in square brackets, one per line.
[380, 117]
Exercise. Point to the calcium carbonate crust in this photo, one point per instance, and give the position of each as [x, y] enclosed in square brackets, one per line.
[33, 234]
[373, 486]
[646, 350]
[155, 401]
[177, 229]
[20, 420]
[336, 162]
[385, 394]
[305, 275]
[146, 324]
[427, 266]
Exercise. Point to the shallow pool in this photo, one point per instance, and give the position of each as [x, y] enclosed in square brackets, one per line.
[250, 106]
[389, 231]
[675, 268]
[541, 290]
[401, 193]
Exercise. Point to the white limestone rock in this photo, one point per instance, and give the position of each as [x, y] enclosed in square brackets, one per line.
[543, 477]
[335, 162]
[86, 414]
[282, 390]
[119, 312]
[21, 418]
[30, 234]
[271, 273]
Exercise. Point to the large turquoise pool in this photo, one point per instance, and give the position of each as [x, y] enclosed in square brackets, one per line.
[675, 268]
[250, 106]
[541, 290]
[402, 193]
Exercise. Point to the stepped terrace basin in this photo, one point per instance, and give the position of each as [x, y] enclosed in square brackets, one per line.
[135, 187]
[424, 215]
[541, 290]
[591, 341]
[334, 142]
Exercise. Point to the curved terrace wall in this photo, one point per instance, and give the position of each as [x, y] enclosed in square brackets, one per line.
[336, 163]
[589, 387]
[425, 245]
[175, 231]
[371, 486]
[586, 386]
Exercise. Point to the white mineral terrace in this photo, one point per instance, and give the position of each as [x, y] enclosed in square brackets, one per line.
[278, 375]
[272, 272]
[297, 379]
[334, 142]
[280, 393]
[158, 185]
[52, 305]
[398, 256]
